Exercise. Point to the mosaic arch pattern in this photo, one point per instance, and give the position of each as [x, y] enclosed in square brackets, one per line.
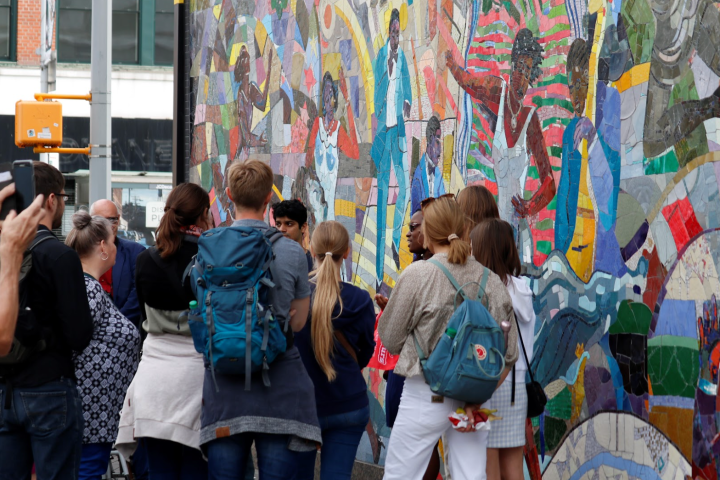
[594, 122]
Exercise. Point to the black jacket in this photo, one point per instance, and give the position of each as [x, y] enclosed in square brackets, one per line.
[58, 298]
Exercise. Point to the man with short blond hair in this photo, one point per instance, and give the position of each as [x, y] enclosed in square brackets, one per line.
[281, 419]
[249, 184]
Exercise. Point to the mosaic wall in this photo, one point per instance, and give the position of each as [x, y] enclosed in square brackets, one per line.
[594, 122]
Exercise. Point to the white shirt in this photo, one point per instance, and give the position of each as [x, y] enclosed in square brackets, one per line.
[391, 117]
[430, 169]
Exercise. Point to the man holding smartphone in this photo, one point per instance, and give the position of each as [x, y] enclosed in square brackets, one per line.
[41, 417]
[16, 233]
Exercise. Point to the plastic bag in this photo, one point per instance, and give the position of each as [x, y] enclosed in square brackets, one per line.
[381, 359]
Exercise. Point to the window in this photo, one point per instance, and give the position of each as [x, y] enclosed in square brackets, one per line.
[8, 10]
[73, 30]
[125, 28]
[164, 32]
[142, 31]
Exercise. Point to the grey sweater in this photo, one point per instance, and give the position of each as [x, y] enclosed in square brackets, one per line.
[422, 303]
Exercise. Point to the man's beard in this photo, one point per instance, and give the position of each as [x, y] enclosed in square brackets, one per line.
[57, 220]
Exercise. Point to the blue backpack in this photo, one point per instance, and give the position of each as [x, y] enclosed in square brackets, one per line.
[234, 326]
[469, 359]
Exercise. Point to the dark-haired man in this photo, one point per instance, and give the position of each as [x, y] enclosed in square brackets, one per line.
[291, 219]
[41, 418]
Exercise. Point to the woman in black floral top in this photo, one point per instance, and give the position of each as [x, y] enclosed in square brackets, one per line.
[106, 367]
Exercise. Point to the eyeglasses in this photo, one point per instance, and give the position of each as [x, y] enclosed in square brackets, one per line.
[430, 200]
[414, 226]
[64, 196]
[113, 220]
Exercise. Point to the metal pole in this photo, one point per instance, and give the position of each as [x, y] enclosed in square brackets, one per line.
[181, 128]
[101, 70]
[44, 157]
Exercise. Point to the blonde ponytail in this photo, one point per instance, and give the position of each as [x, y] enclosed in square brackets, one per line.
[444, 224]
[330, 242]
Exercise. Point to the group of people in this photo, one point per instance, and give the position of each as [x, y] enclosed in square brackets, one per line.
[119, 366]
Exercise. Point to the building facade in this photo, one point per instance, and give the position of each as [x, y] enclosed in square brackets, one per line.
[142, 85]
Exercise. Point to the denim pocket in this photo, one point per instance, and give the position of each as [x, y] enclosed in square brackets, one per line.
[47, 411]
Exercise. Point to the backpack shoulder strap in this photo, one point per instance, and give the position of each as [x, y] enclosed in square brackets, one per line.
[273, 235]
[171, 274]
[449, 275]
[40, 239]
[483, 284]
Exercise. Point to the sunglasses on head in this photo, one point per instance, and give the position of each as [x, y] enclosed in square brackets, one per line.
[430, 200]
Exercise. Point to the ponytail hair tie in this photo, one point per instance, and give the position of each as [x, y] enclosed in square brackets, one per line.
[168, 208]
[452, 237]
[328, 254]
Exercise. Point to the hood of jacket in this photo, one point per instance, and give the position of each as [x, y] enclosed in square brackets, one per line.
[522, 298]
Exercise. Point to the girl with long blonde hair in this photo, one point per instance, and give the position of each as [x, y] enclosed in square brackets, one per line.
[335, 345]
[416, 316]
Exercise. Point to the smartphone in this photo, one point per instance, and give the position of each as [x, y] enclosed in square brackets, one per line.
[24, 178]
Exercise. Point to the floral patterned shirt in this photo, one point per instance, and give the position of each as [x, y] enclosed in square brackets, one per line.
[106, 367]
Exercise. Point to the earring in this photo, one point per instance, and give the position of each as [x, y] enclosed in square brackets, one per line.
[105, 257]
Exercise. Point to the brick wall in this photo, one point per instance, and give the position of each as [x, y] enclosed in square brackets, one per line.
[28, 32]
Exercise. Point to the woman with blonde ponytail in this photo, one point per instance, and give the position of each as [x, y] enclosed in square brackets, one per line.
[417, 314]
[335, 345]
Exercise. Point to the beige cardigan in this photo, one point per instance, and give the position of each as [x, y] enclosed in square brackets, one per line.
[422, 303]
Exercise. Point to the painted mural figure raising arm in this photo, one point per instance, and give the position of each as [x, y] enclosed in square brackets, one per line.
[249, 96]
[514, 120]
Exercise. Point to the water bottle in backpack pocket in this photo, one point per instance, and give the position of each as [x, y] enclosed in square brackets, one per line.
[233, 324]
[468, 361]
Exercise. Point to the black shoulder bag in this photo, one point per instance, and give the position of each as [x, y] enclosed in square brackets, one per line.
[535, 393]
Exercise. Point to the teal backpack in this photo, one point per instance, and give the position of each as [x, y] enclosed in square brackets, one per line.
[469, 359]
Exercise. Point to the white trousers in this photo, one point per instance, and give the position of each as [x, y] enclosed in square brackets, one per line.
[419, 425]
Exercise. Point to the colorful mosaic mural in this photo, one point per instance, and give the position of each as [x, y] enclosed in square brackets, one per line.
[595, 124]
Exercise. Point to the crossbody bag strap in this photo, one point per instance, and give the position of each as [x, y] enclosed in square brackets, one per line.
[340, 337]
[522, 344]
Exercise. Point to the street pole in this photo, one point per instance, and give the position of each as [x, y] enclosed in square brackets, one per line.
[181, 97]
[48, 62]
[100, 72]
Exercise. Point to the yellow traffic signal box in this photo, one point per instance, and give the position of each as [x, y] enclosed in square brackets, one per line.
[38, 124]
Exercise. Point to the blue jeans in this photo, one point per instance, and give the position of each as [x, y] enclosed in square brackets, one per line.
[43, 425]
[169, 460]
[140, 461]
[229, 458]
[341, 434]
[94, 461]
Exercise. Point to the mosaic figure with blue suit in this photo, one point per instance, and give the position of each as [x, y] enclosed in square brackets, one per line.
[393, 98]
[428, 178]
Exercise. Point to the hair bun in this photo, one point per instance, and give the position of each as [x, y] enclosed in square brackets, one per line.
[81, 219]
